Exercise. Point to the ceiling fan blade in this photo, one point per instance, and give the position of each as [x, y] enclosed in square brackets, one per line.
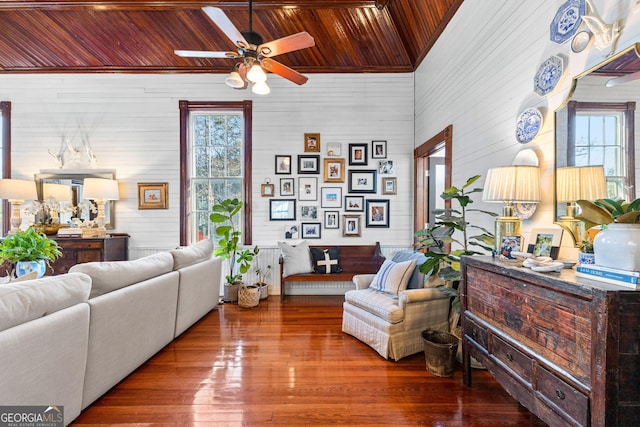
[283, 71]
[205, 54]
[287, 44]
[224, 23]
[623, 79]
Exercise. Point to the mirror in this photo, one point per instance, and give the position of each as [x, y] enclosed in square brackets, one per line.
[595, 126]
[74, 180]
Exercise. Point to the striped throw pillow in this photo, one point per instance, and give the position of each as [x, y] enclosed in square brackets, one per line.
[393, 277]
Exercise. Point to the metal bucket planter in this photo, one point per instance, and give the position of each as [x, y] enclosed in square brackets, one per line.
[440, 352]
[231, 292]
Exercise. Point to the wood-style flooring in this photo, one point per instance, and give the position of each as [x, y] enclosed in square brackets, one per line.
[290, 365]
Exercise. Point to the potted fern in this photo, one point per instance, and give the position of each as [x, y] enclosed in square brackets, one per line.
[28, 251]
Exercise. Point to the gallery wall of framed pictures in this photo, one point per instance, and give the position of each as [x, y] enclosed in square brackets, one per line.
[333, 186]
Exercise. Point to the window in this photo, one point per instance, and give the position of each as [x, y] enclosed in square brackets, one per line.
[215, 157]
[5, 152]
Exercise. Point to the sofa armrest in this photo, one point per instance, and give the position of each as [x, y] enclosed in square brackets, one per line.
[362, 281]
[410, 296]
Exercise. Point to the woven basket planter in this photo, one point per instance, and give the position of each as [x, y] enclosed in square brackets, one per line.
[248, 296]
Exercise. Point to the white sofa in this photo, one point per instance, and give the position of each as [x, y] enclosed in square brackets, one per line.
[392, 324]
[97, 324]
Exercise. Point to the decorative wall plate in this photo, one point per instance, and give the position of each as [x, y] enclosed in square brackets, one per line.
[528, 125]
[548, 75]
[524, 210]
[567, 20]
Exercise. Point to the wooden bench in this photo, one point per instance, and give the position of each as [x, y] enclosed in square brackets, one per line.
[354, 259]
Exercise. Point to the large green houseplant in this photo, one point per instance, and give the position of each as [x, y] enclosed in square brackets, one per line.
[28, 246]
[229, 245]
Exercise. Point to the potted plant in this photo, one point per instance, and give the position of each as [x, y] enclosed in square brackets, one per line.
[586, 255]
[229, 246]
[263, 274]
[28, 251]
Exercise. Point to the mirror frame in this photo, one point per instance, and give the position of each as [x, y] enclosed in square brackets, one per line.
[80, 174]
[565, 104]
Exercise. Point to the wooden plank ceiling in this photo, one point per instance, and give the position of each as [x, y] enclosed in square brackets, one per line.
[353, 36]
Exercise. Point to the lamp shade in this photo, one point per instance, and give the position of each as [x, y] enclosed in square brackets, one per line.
[100, 188]
[518, 184]
[18, 189]
[580, 183]
[60, 192]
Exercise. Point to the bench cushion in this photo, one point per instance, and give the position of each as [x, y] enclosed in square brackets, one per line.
[393, 276]
[380, 304]
[296, 259]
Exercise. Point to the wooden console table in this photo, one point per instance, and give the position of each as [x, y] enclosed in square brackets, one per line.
[78, 250]
[566, 348]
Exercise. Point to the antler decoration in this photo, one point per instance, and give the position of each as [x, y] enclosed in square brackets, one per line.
[605, 35]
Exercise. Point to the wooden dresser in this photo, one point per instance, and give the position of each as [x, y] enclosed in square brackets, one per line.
[567, 348]
[78, 250]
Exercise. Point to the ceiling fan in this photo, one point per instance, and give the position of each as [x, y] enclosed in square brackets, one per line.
[255, 54]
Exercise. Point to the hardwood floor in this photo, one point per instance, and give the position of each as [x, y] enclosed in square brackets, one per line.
[290, 365]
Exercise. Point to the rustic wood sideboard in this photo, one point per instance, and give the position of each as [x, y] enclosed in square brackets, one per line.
[77, 250]
[566, 348]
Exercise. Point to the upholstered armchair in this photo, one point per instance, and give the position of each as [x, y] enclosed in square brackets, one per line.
[388, 311]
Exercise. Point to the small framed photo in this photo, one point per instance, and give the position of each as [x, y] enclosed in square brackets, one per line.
[309, 164]
[354, 203]
[282, 210]
[357, 154]
[331, 219]
[311, 230]
[311, 142]
[545, 240]
[267, 190]
[331, 197]
[291, 232]
[385, 167]
[378, 213]
[510, 244]
[287, 187]
[283, 165]
[543, 245]
[334, 149]
[153, 195]
[307, 188]
[362, 181]
[308, 212]
[351, 225]
[378, 149]
[333, 170]
[389, 186]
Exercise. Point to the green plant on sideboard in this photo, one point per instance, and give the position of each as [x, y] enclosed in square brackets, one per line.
[28, 245]
[608, 211]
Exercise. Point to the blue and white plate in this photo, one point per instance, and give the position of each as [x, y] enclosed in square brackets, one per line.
[567, 20]
[528, 125]
[548, 75]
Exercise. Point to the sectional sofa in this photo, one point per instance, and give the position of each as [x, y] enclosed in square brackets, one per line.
[66, 340]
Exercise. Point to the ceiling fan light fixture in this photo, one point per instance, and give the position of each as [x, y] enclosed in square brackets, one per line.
[234, 80]
[261, 88]
[256, 74]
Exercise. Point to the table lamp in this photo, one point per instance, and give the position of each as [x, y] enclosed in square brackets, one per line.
[100, 190]
[578, 183]
[17, 191]
[509, 185]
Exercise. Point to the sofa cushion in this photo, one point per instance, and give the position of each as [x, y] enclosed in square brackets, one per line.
[296, 259]
[380, 304]
[21, 302]
[417, 279]
[393, 276]
[192, 254]
[109, 276]
[326, 261]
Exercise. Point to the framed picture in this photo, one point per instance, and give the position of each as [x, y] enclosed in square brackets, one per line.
[307, 188]
[358, 154]
[385, 167]
[378, 149]
[378, 213]
[510, 244]
[354, 203]
[267, 190]
[351, 225]
[287, 187]
[311, 230]
[544, 234]
[312, 142]
[333, 170]
[389, 186]
[291, 232]
[308, 212]
[283, 165]
[542, 247]
[331, 197]
[334, 149]
[362, 181]
[153, 195]
[331, 219]
[282, 209]
[308, 164]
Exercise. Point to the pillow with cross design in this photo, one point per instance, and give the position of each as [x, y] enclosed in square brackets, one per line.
[326, 261]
